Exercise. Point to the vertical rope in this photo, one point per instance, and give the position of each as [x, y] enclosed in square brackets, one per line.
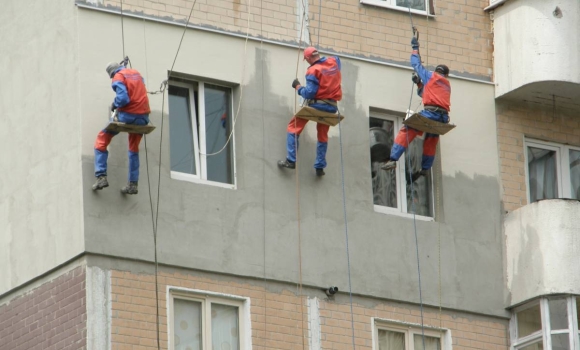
[346, 234]
[319, 27]
[298, 185]
[122, 29]
[263, 165]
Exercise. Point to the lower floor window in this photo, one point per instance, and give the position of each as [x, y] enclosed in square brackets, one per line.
[399, 337]
[204, 322]
[546, 323]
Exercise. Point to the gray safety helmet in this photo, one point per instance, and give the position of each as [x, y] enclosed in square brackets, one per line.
[111, 68]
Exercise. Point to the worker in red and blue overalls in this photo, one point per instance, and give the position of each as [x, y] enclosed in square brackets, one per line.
[435, 90]
[132, 105]
[322, 91]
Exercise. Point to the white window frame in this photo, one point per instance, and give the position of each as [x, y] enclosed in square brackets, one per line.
[409, 329]
[401, 209]
[562, 165]
[206, 298]
[391, 4]
[199, 138]
[546, 332]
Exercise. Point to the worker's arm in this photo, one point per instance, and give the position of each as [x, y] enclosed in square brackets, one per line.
[122, 96]
[309, 91]
[423, 73]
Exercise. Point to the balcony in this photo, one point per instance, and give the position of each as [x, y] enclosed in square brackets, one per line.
[537, 51]
[542, 249]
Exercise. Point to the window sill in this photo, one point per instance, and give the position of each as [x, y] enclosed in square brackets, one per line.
[394, 211]
[192, 178]
[396, 8]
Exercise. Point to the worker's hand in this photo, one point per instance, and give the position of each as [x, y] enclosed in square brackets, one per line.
[113, 107]
[415, 78]
[415, 43]
[295, 83]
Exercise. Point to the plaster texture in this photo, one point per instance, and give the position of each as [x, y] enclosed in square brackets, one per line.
[40, 186]
[542, 246]
[253, 230]
[537, 50]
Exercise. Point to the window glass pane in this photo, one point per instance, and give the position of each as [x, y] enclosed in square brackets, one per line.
[535, 346]
[542, 174]
[558, 313]
[578, 310]
[420, 199]
[560, 342]
[224, 327]
[187, 325]
[382, 136]
[529, 321]
[415, 4]
[217, 130]
[389, 340]
[575, 174]
[431, 343]
[181, 146]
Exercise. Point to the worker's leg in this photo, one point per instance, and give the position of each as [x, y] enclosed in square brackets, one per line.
[402, 141]
[295, 127]
[321, 145]
[134, 140]
[429, 150]
[101, 153]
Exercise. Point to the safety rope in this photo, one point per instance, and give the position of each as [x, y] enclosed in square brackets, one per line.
[413, 205]
[237, 114]
[122, 29]
[346, 234]
[266, 333]
[298, 219]
[319, 25]
[155, 218]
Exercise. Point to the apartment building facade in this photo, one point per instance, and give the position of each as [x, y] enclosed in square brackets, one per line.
[244, 252]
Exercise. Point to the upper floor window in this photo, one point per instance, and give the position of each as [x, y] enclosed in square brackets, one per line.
[200, 123]
[553, 170]
[417, 6]
[392, 189]
[201, 321]
[547, 323]
[393, 336]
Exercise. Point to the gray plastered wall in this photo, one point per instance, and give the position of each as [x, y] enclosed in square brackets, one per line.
[253, 230]
[41, 207]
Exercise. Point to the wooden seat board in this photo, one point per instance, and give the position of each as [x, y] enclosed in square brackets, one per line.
[419, 122]
[129, 128]
[318, 116]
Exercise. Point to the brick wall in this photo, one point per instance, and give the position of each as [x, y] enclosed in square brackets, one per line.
[50, 317]
[518, 120]
[281, 323]
[459, 36]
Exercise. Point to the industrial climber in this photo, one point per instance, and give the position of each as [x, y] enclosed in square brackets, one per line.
[435, 90]
[322, 91]
[132, 105]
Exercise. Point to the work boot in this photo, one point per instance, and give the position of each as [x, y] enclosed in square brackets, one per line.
[131, 188]
[101, 183]
[286, 164]
[390, 165]
[418, 174]
[320, 172]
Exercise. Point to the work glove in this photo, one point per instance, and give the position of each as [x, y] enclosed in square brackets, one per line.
[295, 83]
[415, 43]
[415, 78]
[113, 107]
